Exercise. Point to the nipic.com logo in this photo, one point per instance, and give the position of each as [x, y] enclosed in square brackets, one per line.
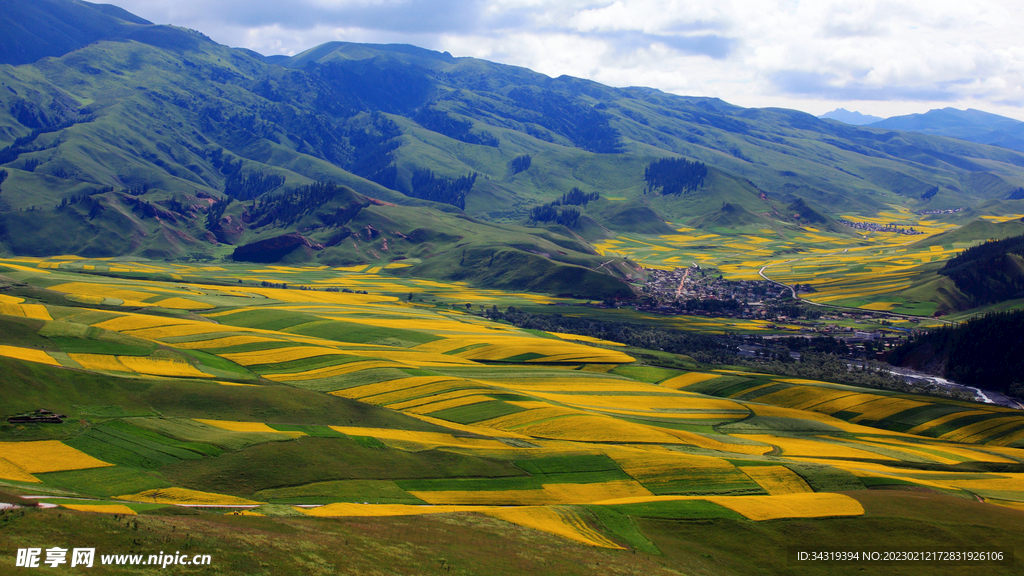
[86, 557]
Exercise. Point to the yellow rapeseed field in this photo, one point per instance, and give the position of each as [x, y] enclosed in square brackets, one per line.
[589, 428]
[800, 397]
[29, 354]
[104, 362]
[103, 290]
[962, 434]
[981, 436]
[813, 448]
[582, 382]
[415, 357]
[185, 496]
[102, 508]
[802, 505]
[246, 427]
[884, 408]
[564, 523]
[183, 304]
[777, 480]
[433, 398]
[423, 438]
[1008, 439]
[161, 366]
[844, 403]
[910, 449]
[431, 407]
[424, 391]
[684, 380]
[778, 411]
[680, 402]
[223, 342]
[344, 509]
[589, 339]
[751, 390]
[596, 492]
[504, 347]
[331, 371]
[667, 466]
[182, 328]
[519, 419]
[136, 322]
[487, 497]
[711, 443]
[9, 471]
[44, 456]
[1007, 483]
[278, 355]
[981, 454]
[390, 386]
[35, 311]
[943, 419]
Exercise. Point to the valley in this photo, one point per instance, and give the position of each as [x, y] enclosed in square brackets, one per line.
[373, 308]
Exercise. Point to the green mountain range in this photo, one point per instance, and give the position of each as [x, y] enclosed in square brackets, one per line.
[120, 137]
[972, 125]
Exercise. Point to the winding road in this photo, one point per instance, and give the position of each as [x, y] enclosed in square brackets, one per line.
[812, 303]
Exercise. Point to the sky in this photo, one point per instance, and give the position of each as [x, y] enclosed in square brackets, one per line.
[884, 58]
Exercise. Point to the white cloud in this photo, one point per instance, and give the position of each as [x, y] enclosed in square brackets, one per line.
[884, 56]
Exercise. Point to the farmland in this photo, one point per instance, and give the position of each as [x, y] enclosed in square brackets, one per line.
[187, 400]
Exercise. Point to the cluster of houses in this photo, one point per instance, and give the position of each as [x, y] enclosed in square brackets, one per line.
[873, 227]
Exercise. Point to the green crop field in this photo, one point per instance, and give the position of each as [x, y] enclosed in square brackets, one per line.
[375, 411]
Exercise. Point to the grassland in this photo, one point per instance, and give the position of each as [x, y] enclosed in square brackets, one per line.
[372, 412]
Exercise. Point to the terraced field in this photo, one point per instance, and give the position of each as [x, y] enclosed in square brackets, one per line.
[334, 404]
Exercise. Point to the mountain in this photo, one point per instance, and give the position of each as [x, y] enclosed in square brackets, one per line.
[51, 28]
[157, 141]
[847, 117]
[971, 125]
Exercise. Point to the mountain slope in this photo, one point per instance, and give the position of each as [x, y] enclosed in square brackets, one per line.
[161, 142]
[971, 125]
[42, 28]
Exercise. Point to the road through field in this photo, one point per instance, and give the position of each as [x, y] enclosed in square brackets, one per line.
[812, 303]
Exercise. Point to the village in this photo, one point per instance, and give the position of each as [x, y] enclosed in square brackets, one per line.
[873, 227]
[695, 291]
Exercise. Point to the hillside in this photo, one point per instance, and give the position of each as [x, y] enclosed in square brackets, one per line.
[51, 28]
[990, 272]
[983, 351]
[158, 142]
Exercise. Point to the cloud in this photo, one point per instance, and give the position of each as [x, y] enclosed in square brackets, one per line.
[934, 52]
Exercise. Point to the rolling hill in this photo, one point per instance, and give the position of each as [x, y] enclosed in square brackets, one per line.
[157, 141]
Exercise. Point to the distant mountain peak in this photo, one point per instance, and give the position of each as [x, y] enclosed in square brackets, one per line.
[847, 117]
[971, 125]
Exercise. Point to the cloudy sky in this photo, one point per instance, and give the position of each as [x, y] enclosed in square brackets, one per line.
[877, 57]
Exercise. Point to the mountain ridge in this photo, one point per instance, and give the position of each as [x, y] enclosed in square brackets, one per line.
[162, 142]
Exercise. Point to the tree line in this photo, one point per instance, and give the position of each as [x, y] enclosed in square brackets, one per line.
[990, 272]
[983, 352]
[567, 217]
[290, 206]
[428, 186]
[674, 176]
